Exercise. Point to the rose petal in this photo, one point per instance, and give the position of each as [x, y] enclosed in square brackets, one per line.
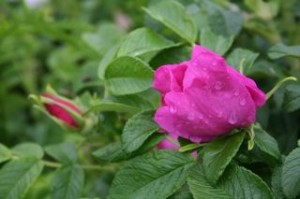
[169, 78]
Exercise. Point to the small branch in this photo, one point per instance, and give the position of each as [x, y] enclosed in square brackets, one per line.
[86, 167]
[51, 164]
[191, 147]
[277, 86]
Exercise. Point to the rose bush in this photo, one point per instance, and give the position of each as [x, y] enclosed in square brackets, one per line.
[204, 97]
[109, 145]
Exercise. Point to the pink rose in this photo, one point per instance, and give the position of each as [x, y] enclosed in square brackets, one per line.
[204, 98]
[60, 109]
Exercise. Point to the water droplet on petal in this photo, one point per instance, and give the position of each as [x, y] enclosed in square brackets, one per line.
[243, 102]
[218, 85]
[236, 93]
[214, 63]
[232, 119]
[173, 109]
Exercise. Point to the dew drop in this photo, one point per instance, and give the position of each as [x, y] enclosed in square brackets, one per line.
[232, 119]
[173, 109]
[243, 102]
[236, 93]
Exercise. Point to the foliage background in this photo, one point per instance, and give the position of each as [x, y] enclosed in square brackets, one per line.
[62, 43]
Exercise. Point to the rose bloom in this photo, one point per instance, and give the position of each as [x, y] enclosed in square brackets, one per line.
[58, 109]
[204, 98]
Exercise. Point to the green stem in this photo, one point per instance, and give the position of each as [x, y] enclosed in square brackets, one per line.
[251, 134]
[277, 86]
[242, 66]
[190, 147]
[87, 167]
[51, 164]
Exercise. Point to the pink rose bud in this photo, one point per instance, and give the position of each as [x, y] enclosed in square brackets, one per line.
[166, 144]
[204, 98]
[61, 109]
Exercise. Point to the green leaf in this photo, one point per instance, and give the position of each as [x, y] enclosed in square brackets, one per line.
[107, 58]
[172, 14]
[276, 183]
[242, 183]
[219, 153]
[171, 56]
[221, 21]
[138, 129]
[113, 106]
[291, 174]
[281, 50]
[155, 175]
[200, 187]
[28, 150]
[17, 176]
[65, 152]
[264, 10]
[102, 40]
[235, 59]
[5, 153]
[112, 152]
[128, 75]
[140, 100]
[126, 103]
[142, 41]
[68, 182]
[115, 152]
[266, 143]
[292, 98]
[217, 43]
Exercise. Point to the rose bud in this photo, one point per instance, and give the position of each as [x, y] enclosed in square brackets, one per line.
[205, 98]
[61, 109]
[168, 145]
